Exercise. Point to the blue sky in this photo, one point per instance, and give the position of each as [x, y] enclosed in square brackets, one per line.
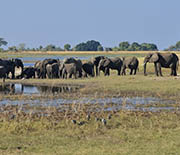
[42, 22]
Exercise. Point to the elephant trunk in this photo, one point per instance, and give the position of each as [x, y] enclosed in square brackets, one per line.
[145, 68]
[98, 71]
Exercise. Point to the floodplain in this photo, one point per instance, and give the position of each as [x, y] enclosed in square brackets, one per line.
[132, 114]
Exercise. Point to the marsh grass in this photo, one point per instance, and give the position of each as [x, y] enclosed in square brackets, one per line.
[125, 133]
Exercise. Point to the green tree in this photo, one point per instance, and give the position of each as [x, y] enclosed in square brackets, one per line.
[148, 47]
[12, 48]
[88, 46]
[177, 46]
[40, 47]
[100, 48]
[3, 42]
[67, 47]
[115, 48]
[134, 47]
[50, 48]
[123, 46]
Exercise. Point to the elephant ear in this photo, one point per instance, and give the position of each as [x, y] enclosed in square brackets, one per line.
[154, 58]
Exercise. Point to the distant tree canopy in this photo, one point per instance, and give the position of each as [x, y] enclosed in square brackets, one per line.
[3, 42]
[175, 47]
[126, 46]
[88, 46]
[52, 48]
[91, 45]
[67, 47]
[13, 48]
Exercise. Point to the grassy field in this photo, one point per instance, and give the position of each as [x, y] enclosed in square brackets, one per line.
[127, 132]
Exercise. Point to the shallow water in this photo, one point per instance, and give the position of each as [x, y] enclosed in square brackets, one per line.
[106, 104]
[28, 89]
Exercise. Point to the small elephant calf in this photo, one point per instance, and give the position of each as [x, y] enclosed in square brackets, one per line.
[28, 72]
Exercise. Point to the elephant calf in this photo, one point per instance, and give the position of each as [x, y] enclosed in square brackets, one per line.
[52, 70]
[130, 62]
[68, 70]
[88, 69]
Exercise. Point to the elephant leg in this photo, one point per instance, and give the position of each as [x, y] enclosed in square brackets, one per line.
[13, 74]
[97, 71]
[107, 72]
[124, 71]
[119, 72]
[156, 70]
[131, 71]
[159, 69]
[70, 75]
[173, 72]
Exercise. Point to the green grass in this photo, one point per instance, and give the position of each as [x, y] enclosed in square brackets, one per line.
[126, 133]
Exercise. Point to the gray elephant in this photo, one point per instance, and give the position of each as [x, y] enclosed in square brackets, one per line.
[40, 67]
[130, 62]
[78, 64]
[69, 70]
[165, 60]
[28, 72]
[37, 67]
[3, 73]
[88, 69]
[95, 61]
[110, 63]
[10, 66]
[52, 70]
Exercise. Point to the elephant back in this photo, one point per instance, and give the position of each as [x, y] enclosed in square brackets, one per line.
[69, 60]
[116, 62]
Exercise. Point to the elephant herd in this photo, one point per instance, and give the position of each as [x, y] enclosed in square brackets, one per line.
[73, 67]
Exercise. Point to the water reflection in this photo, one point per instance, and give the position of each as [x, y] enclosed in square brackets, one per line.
[31, 89]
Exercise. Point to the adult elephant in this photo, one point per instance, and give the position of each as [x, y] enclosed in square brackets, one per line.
[130, 62]
[165, 60]
[95, 61]
[3, 73]
[110, 63]
[37, 67]
[77, 62]
[43, 65]
[52, 70]
[11, 64]
[88, 69]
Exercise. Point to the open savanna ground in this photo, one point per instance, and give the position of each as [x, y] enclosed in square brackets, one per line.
[126, 132]
[77, 53]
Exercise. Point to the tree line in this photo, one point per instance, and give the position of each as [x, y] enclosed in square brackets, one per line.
[91, 45]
